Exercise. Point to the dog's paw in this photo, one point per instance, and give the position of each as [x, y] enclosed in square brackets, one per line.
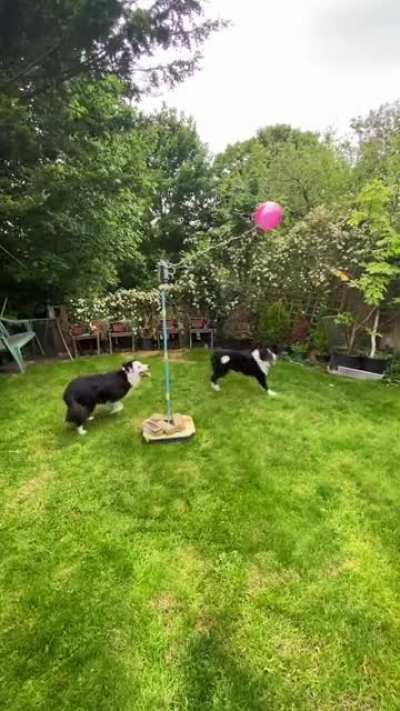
[81, 431]
[90, 419]
[216, 387]
[272, 393]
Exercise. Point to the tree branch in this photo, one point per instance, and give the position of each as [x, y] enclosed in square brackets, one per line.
[33, 63]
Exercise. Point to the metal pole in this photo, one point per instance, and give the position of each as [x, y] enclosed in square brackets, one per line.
[164, 279]
[167, 369]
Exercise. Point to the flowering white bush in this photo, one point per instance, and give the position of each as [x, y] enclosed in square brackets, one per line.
[140, 308]
[297, 266]
[87, 310]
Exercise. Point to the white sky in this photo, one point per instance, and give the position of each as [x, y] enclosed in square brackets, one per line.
[312, 63]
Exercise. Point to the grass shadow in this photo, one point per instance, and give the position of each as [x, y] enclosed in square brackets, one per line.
[216, 679]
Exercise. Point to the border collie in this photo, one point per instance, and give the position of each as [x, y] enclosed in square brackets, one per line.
[255, 364]
[83, 394]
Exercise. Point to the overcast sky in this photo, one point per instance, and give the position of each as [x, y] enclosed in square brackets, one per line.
[312, 63]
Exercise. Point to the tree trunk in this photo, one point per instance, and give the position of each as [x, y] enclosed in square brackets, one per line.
[374, 334]
[352, 337]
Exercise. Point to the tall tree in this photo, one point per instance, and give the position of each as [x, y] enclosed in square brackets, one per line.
[45, 43]
[381, 270]
[182, 203]
[297, 168]
[73, 212]
[74, 172]
[377, 143]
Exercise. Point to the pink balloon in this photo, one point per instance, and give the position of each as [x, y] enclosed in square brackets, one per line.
[268, 216]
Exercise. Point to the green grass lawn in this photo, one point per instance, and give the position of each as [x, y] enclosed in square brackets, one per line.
[255, 567]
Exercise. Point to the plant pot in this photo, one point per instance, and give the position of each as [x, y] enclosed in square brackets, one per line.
[358, 367]
[198, 323]
[119, 327]
[373, 365]
[80, 329]
[345, 360]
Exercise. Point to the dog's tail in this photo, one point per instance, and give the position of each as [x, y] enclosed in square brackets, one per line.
[76, 413]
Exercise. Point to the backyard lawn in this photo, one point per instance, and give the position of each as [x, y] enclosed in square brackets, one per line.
[255, 567]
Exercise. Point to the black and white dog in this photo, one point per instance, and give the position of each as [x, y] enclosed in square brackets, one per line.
[255, 364]
[83, 394]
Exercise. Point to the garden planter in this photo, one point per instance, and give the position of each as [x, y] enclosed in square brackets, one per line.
[198, 323]
[80, 329]
[374, 365]
[359, 367]
[119, 327]
[344, 360]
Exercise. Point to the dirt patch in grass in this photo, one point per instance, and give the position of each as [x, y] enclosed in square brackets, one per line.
[259, 580]
[32, 489]
[204, 623]
[346, 566]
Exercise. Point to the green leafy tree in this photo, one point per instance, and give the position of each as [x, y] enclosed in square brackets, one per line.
[181, 163]
[293, 167]
[382, 268]
[74, 176]
[72, 216]
[46, 43]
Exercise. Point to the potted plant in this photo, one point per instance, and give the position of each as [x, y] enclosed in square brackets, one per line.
[120, 327]
[346, 357]
[80, 329]
[359, 364]
[371, 363]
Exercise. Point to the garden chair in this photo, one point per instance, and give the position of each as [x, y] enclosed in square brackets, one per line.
[121, 329]
[85, 332]
[13, 343]
[200, 327]
[174, 334]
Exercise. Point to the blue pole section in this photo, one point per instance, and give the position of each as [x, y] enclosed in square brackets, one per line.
[167, 370]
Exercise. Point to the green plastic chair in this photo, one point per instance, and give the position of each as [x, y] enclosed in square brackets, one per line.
[14, 342]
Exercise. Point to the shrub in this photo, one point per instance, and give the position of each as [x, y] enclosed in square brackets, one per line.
[273, 324]
[239, 325]
[319, 339]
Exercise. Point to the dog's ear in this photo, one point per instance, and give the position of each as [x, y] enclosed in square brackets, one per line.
[128, 365]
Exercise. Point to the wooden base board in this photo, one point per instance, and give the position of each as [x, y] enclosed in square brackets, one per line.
[186, 433]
